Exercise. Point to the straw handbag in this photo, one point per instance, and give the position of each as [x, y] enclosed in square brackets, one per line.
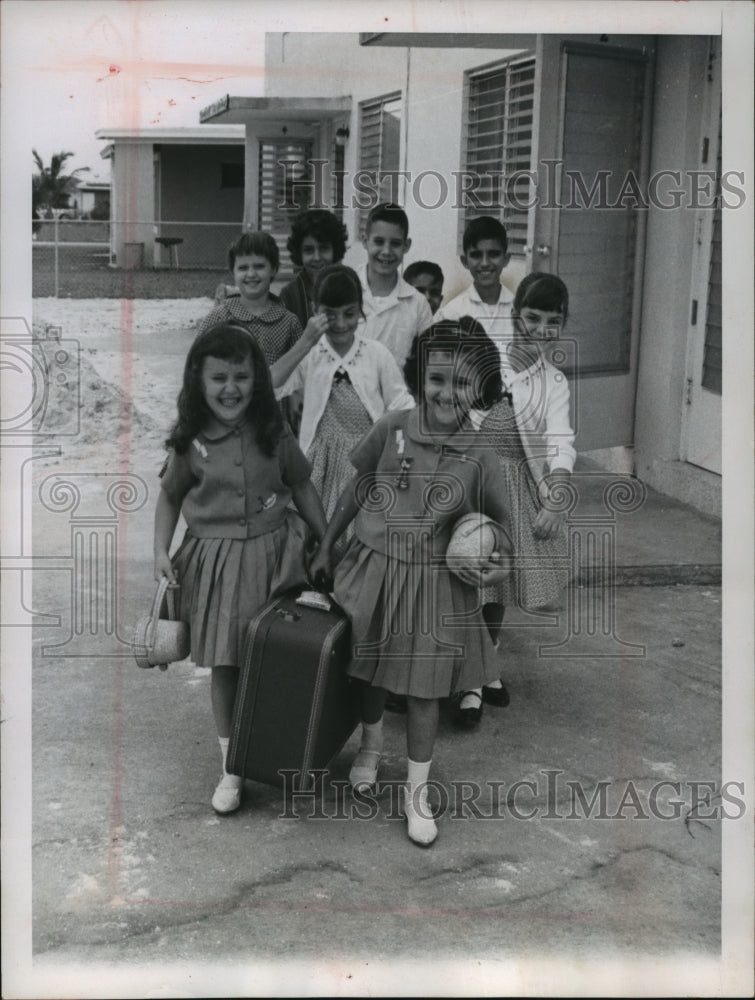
[160, 639]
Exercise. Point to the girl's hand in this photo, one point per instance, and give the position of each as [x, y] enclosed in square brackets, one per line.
[547, 524]
[316, 326]
[488, 571]
[321, 570]
[164, 567]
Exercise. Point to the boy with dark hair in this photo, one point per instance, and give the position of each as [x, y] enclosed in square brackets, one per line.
[395, 312]
[427, 278]
[485, 255]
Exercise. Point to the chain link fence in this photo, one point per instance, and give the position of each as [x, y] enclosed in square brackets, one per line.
[84, 258]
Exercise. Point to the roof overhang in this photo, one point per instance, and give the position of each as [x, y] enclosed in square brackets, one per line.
[179, 135]
[243, 110]
[447, 40]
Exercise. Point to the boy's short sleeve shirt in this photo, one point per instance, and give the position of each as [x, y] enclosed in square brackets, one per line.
[394, 319]
[495, 319]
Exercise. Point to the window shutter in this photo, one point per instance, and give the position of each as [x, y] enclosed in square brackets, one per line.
[280, 197]
[379, 143]
[497, 136]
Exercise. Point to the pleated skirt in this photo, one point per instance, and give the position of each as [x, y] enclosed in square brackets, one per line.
[417, 630]
[226, 581]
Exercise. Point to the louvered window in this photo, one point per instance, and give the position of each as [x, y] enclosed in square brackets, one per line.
[497, 144]
[712, 357]
[285, 188]
[379, 150]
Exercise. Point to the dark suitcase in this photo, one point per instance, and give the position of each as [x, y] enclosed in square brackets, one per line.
[295, 706]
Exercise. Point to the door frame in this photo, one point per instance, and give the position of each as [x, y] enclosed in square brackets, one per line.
[701, 429]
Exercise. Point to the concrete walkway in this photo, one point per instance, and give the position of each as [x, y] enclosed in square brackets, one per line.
[572, 833]
[580, 846]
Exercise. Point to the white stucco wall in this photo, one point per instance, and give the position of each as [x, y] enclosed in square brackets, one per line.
[133, 200]
[335, 65]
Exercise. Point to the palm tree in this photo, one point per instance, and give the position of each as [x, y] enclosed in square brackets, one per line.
[50, 187]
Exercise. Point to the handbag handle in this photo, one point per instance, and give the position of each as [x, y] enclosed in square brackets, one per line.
[163, 588]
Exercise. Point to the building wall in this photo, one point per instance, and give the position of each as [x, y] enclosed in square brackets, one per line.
[335, 65]
[191, 191]
[668, 282]
[133, 203]
[434, 81]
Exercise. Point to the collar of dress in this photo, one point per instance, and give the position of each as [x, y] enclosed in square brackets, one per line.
[215, 432]
[457, 440]
[325, 350]
[275, 311]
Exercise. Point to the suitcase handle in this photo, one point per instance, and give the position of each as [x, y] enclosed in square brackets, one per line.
[287, 616]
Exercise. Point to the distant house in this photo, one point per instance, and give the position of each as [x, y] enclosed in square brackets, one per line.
[186, 183]
[91, 199]
[600, 154]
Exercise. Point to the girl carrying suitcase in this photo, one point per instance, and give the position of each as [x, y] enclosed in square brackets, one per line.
[232, 471]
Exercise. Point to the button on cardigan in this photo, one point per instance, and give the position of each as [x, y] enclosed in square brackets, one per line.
[540, 401]
[227, 488]
[371, 369]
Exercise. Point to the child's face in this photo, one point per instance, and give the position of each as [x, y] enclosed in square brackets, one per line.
[315, 255]
[227, 388]
[538, 324]
[385, 246]
[485, 260]
[342, 324]
[449, 391]
[252, 275]
[430, 287]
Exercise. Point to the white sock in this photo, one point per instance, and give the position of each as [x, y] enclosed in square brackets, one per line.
[417, 772]
[372, 736]
[494, 684]
[224, 741]
[472, 699]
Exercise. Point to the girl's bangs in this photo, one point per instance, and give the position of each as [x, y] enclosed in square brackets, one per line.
[337, 290]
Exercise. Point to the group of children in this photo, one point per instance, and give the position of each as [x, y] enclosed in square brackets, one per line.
[409, 416]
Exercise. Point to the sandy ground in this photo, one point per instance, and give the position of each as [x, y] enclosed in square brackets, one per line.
[130, 368]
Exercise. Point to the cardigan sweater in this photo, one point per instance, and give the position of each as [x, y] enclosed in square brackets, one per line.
[371, 370]
[540, 401]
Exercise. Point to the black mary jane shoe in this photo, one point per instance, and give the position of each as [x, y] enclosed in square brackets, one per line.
[496, 696]
[467, 718]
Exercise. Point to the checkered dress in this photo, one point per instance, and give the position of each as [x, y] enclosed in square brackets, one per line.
[541, 570]
[344, 422]
[276, 329]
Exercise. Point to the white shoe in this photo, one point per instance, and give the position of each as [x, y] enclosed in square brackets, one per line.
[364, 770]
[227, 797]
[421, 826]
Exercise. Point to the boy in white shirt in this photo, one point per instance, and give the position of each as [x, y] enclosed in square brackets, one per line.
[485, 255]
[394, 311]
